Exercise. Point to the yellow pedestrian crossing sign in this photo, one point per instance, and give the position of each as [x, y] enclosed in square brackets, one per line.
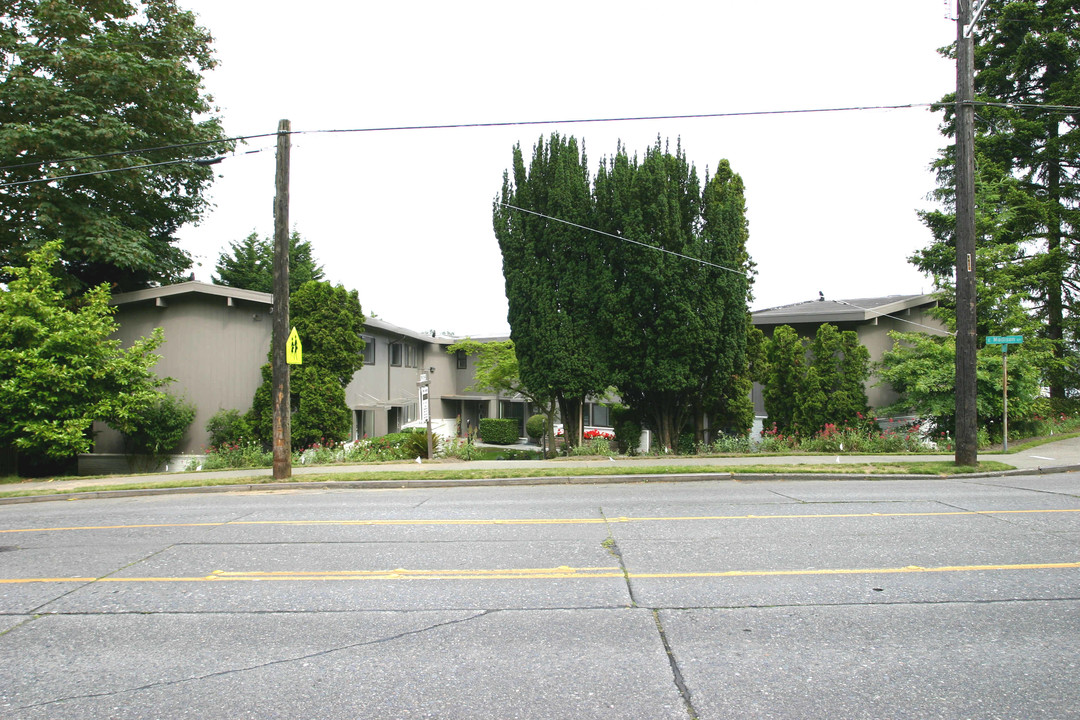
[294, 351]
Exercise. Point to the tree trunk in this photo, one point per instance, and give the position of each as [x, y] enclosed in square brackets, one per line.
[9, 461]
[573, 425]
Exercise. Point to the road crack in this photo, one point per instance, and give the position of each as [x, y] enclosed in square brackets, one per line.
[259, 666]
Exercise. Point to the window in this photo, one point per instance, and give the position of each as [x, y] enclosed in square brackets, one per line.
[402, 355]
[363, 424]
[462, 360]
[369, 349]
[596, 415]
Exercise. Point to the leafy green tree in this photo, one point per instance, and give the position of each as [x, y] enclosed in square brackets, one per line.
[496, 370]
[920, 369]
[554, 275]
[59, 368]
[784, 377]
[249, 264]
[328, 318]
[83, 84]
[1027, 145]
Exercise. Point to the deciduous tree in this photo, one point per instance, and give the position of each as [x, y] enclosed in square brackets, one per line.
[83, 85]
[59, 368]
[496, 370]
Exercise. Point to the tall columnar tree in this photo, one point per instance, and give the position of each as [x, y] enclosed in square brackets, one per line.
[249, 264]
[664, 312]
[553, 273]
[60, 369]
[83, 84]
[724, 234]
[1027, 146]
[329, 320]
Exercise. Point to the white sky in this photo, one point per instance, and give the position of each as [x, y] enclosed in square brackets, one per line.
[404, 217]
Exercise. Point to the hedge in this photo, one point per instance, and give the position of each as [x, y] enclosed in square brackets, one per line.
[499, 431]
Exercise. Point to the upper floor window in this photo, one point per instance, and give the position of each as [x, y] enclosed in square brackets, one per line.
[369, 349]
[462, 360]
[402, 355]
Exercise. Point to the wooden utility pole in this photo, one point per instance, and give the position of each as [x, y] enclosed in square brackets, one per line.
[281, 389]
[966, 420]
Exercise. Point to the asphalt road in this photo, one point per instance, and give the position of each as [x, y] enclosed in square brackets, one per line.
[811, 599]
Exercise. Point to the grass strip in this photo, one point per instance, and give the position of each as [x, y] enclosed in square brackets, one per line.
[941, 469]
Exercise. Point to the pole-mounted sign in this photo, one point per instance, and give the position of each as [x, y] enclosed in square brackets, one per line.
[294, 349]
[1004, 341]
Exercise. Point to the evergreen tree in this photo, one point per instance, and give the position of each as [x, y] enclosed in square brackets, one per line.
[329, 320]
[250, 264]
[842, 366]
[553, 273]
[662, 313]
[1027, 145]
[784, 377]
[83, 83]
[726, 392]
[811, 404]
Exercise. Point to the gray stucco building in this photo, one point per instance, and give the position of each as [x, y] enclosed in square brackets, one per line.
[217, 338]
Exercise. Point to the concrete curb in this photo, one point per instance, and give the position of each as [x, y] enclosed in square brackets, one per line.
[501, 482]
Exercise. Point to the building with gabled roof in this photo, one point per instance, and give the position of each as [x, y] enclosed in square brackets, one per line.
[871, 318]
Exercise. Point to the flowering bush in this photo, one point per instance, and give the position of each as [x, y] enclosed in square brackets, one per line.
[240, 454]
[598, 434]
[598, 444]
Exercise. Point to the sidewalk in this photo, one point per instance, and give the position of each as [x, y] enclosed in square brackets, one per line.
[1062, 456]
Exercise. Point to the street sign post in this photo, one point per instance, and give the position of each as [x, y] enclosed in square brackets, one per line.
[1004, 341]
[425, 410]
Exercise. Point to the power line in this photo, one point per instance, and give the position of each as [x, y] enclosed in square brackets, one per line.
[462, 126]
[111, 170]
[710, 264]
[625, 239]
[896, 317]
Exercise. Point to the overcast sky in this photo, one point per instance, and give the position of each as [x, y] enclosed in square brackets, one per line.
[404, 217]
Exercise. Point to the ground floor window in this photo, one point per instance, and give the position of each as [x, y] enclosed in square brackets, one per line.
[363, 424]
[597, 415]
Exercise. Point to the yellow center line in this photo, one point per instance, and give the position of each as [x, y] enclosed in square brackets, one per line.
[562, 572]
[541, 521]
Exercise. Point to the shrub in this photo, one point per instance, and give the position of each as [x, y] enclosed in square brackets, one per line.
[461, 448]
[730, 444]
[535, 427]
[237, 455]
[598, 444]
[627, 429]
[499, 431]
[159, 427]
[227, 426]
[415, 444]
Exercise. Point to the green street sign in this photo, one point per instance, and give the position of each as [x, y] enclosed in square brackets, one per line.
[1004, 339]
